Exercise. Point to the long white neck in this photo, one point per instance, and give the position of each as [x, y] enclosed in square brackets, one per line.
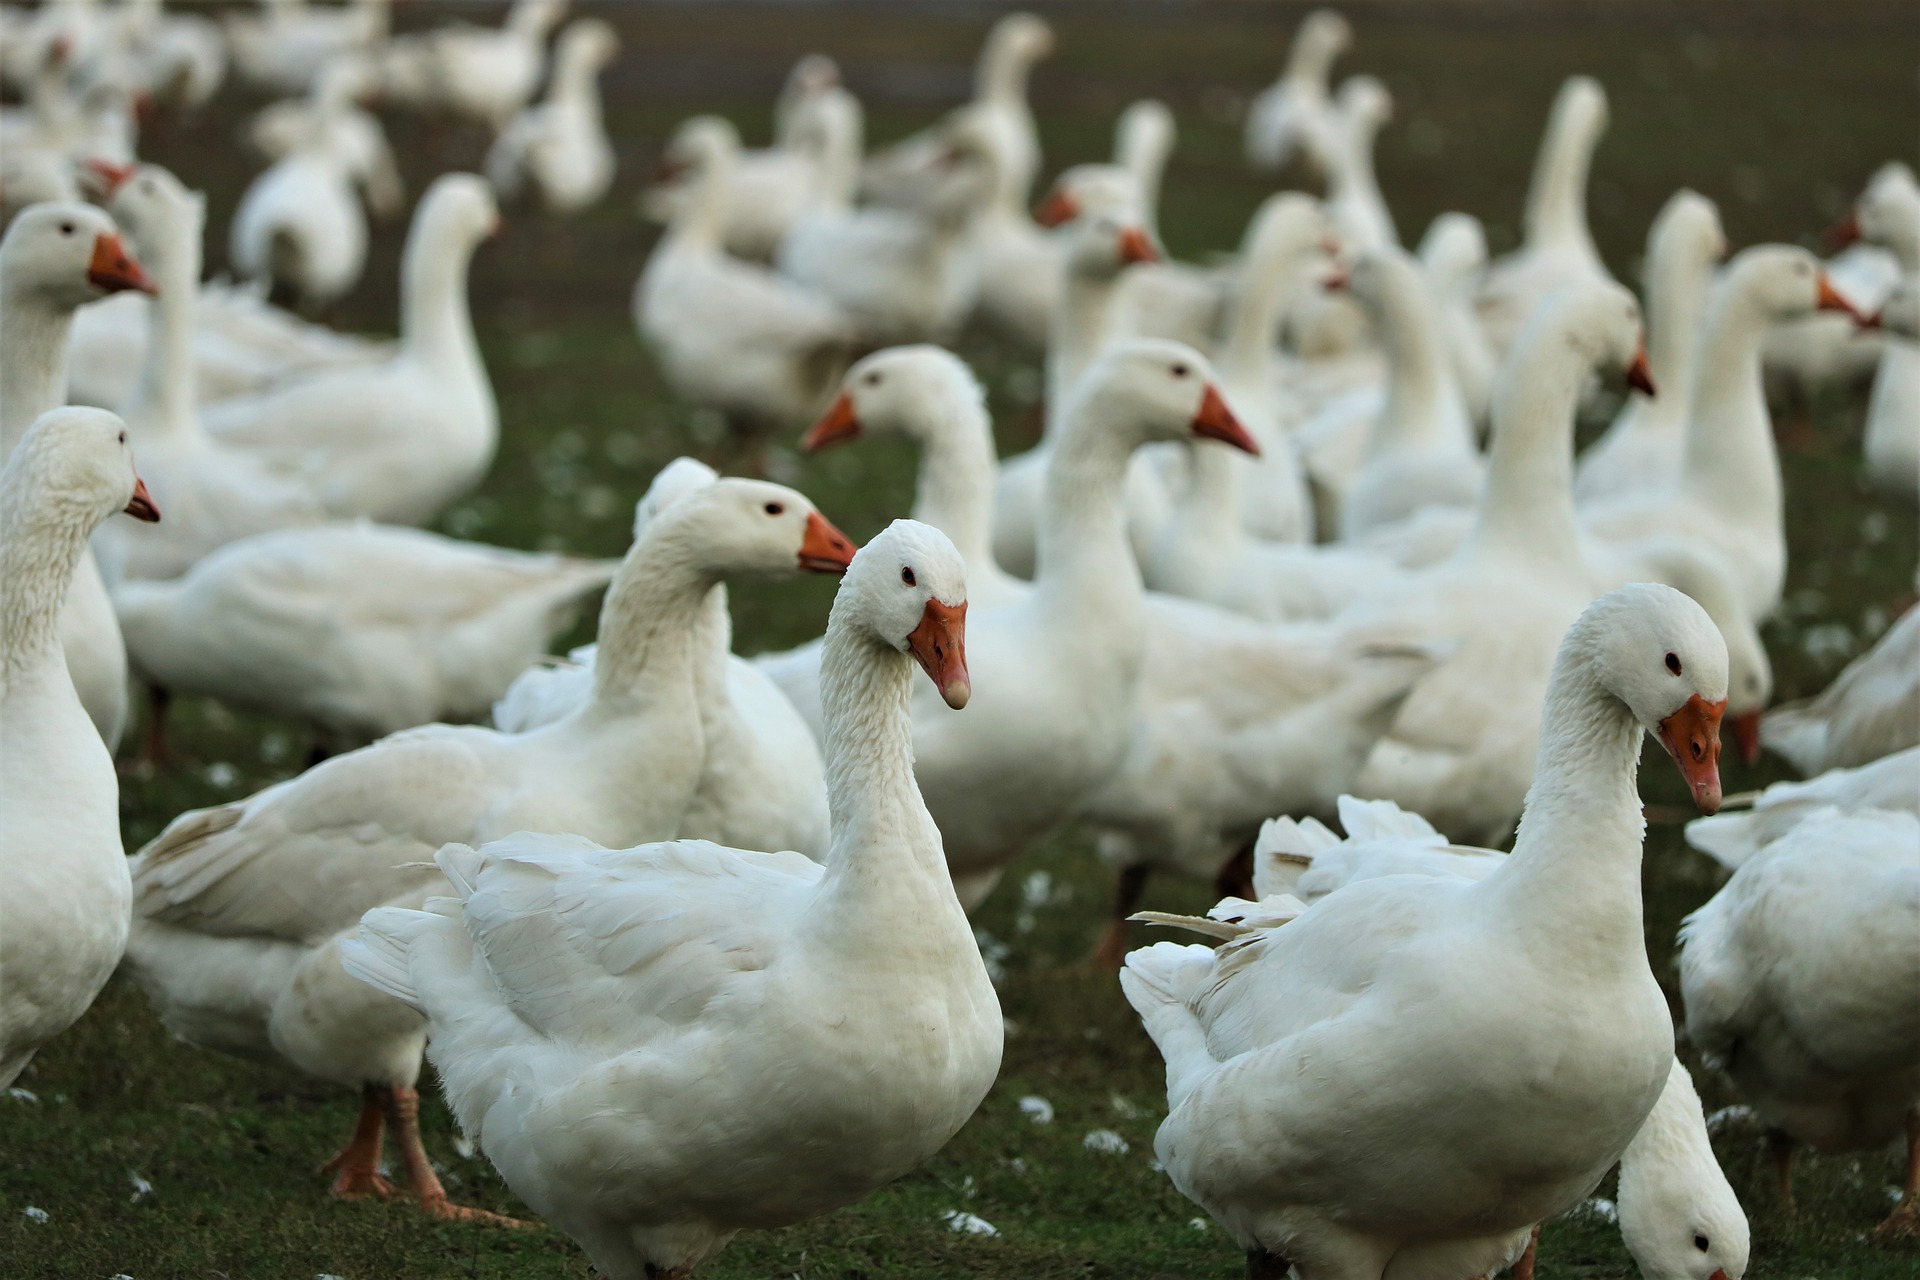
[1573, 878]
[954, 491]
[700, 222]
[39, 550]
[1144, 143]
[1209, 509]
[1556, 213]
[166, 399]
[1082, 557]
[1269, 278]
[1077, 332]
[651, 633]
[1310, 62]
[1526, 508]
[33, 362]
[576, 79]
[1731, 460]
[436, 325]
[1424, 410]
[1676, 299]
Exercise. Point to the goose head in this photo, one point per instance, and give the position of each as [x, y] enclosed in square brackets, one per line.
[1781, 282]
[1599, 321]
[588, 42]
[1102, 245]
[908, 589]
[700, 145]
[458, 209]
[1387, 282]
[962, 167]
[67, 254]
[671, 483]
[752, 528]
[901, 391]
[1453, 251]
[1687, 232]
[155, 206]
[1579, 113]
[1678, 1216]
[813, 73]
[1658, 652]
[1323, 36]
[1016, 42]
[1148, 389]
[78, 465]
[1364, 104]
[1887, 214]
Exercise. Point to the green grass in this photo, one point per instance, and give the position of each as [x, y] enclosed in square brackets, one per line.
[1778, 111]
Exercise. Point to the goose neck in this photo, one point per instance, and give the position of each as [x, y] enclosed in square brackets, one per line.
[1079, 330]
[166, 399]
[39, 551]
[701, 221]
[1527, 506]
[954, 491]
[576, 81]
[1419, 378]
[33, 363]
[1556, 211]
[1573, 878]
[1676, 299]
[1730, 453]
[436, 325]
[1082, 550]
[1209, 508]
[1253, 328]
[654, 624]
[1310, 62]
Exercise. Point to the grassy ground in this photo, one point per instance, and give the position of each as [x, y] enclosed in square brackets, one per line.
[153, 1160]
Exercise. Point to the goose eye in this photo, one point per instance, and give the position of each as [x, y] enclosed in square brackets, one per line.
[906, 575]
[123, 437]
[1700, 1243]
[66, 228]
[872, 379]
[1179, 371]
[774, 508]
[1673, 663]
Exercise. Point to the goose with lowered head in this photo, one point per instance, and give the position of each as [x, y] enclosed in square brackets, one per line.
[54, 258]
[1558, 248]
[761, 784]
[240, 909]
[730, 334]
[1284, 1152]
[398, 439]
[857, 981]
[215, 492]
[1292, 116]
[63, 918]
[1644, 447]
[1728, 497]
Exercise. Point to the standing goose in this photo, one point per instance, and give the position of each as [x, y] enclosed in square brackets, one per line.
[1558, 248]
[1453, 253]
[1728, 496]
[561, 146]
[1643, 450]
[660, 1046]
[63, 918]
[394, 440]
[1888, 216]
[486, 74]
[56, 257]
[214, 491]
[1300, 1051]
[1292, 116]
[1359, 211]
[239, 909]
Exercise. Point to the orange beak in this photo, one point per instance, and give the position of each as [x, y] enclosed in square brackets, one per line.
[1057, 210]
[140, 505]
[1691, 736]
[113, 175]
[114, 269]
[1875, 321]
[825, 549]
[1844, 232]
[1746, 735]
[1640, 372]
[1136, 248]
[840, 425]
[1831, 299]
[669, 170]
[939, 644]
[1337, 282]
[1215, 421]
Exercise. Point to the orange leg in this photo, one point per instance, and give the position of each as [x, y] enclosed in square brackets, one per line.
[1905, 1218]
[1523, 1269]
[357, 1167]
[1780, 1148]
[403, 1113]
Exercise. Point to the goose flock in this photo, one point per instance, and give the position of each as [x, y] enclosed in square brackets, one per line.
[1304, 540]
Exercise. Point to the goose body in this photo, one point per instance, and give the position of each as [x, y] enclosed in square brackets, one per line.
[727, 333]
[239, 909]
[1378, 973]
[1799, 975]
[1293, 117]
[1871, 709]
[1891, 783]
[63, 919]
[393, 440]
[858, 982]
[283, 47]
[358, 629]
[485, 74]
[54, 259]
[560, 146]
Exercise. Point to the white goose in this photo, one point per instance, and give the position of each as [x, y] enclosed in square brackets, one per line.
[1646, 445]
[214, 492]
[1732, 839]
[1282, 1150]
[357, 629]
[239, 909]
[1799, 977]
[283, 47]
[1871, 709]
[1292, 116]
[398, 439]
[762, 782]
[1359, 211]
[1558, 248]
[1728, 496]
[56, 257]
[1453, 253]
[730, 334]
[63, 919]
[560, 146]
[486, 74]
[1888, 216]
[652, 994]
